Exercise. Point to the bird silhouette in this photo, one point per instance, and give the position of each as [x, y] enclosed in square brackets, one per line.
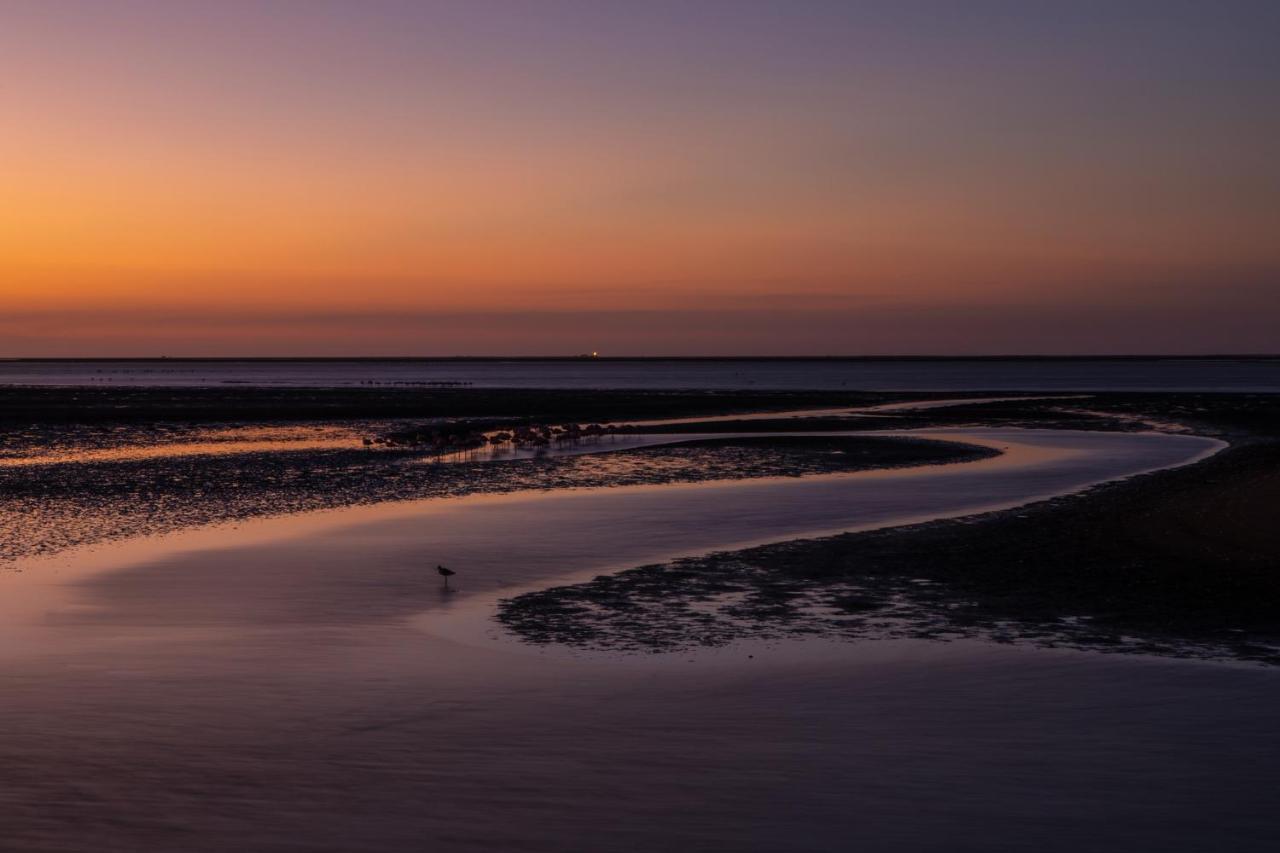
[445, 573]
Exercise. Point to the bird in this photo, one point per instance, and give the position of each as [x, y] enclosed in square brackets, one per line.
[445, 573]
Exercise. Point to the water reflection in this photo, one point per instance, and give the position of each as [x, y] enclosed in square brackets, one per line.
[370, 563]
[215, 441]
[268, 686]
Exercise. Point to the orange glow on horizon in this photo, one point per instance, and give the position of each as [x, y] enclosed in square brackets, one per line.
[263, 162]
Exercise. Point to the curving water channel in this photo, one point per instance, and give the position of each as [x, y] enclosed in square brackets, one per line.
[307, 684]
[332, 562]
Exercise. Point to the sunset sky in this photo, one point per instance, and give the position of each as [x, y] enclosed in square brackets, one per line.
[698, 177]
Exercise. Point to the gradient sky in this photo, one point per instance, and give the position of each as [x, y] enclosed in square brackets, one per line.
[697, 177]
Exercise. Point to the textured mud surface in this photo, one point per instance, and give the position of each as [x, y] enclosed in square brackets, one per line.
[1183, 562]
[50, 507]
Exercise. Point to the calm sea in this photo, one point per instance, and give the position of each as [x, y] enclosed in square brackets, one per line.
[1216, 374]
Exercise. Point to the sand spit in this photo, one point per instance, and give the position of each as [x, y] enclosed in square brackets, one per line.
[1179, 563]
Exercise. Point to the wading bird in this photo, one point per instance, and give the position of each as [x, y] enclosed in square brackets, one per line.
[445, 573]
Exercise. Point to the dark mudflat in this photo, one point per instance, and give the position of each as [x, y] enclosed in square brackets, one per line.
[147, 405]
[1183, 562]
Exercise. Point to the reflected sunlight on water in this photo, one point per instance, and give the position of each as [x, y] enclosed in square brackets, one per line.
[202, 442]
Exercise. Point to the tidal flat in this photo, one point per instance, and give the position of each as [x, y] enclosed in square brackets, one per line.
[258, 654]
[1178, 563]
[50, 507]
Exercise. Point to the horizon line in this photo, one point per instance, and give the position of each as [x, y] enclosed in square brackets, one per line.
[625, 358]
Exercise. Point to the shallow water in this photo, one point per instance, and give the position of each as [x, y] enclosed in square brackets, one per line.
[307, 684]
[513, 539]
